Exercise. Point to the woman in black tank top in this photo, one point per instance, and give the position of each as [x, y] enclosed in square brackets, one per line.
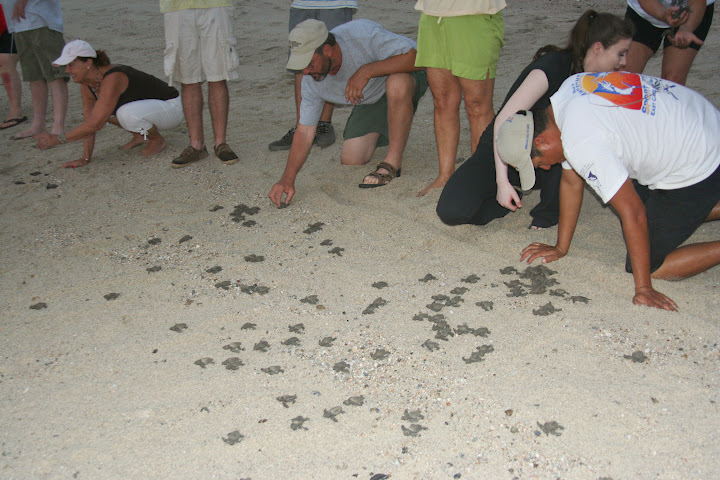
[118, 94]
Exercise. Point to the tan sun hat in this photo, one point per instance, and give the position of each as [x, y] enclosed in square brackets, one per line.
[514, 143]
[74, 49]
[304, 39]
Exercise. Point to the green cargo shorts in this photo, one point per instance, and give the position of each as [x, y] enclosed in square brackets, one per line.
[372, 118]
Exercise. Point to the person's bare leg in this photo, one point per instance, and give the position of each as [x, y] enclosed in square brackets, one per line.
[359, 150]
[692, 259]
[155, 143]
[192, 102]
[59, 91]
[714, 213]
[219, 102]
[638, 57]
[39, 93]
[13, 85]
[327, 111]
[689, 260]
[447, 93]
[478, 95]
[676, 64]
[399, 88]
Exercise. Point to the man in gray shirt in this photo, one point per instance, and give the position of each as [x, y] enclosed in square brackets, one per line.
[358, 63]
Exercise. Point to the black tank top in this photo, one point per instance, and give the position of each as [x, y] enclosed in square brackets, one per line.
[141, 86]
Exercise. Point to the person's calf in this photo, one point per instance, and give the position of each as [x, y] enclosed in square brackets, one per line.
[219, 105]
[59, 95]
[714, 214]
[689, 260]
[192, 102]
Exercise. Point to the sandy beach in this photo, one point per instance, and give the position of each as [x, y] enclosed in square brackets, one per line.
[162, 323]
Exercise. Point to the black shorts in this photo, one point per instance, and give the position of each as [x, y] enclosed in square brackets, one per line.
[7, 43]
[674, 215]
[650, 35]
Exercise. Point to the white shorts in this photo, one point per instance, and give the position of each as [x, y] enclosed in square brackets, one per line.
[141, 115]
[200, 45]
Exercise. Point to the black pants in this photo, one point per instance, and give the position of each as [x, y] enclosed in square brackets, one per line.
[469, 195]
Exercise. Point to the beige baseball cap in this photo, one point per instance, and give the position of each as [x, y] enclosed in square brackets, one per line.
[304, 39]
[514, 143]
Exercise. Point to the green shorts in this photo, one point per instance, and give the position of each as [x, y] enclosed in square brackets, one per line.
[372, 118]
[468, 46]
[36, 51]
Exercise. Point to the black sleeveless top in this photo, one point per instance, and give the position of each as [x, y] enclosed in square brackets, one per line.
[141, 86]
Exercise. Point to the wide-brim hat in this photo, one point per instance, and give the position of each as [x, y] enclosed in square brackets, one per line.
[514, 143]
[304, 39]
[74, 49]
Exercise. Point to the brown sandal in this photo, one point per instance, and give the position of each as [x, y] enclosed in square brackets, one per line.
[383, 178]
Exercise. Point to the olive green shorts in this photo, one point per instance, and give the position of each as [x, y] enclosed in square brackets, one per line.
[468, 45]
[372, 118]
[36, 51]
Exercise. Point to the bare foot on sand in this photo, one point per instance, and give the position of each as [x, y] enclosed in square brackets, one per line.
[153, 147]
[29, 133]
[438, 183]
[76, 163]
[136, 140]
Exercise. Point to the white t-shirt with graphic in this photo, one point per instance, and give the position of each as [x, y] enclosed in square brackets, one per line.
[361, 42]
[635, 5]
[616, 125]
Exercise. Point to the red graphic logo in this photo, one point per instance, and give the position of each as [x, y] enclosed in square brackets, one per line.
[621, 88]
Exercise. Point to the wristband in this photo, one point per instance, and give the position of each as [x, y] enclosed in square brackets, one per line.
[62, 139]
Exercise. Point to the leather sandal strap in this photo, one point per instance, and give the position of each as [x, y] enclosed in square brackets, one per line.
[383, 178]
[393, 172]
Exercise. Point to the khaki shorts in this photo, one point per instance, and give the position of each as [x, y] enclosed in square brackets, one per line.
[200, 45]
[36, 50]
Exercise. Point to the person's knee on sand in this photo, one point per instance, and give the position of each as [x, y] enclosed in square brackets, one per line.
[359, 150]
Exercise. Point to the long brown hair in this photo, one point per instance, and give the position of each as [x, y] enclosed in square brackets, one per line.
[591, 27]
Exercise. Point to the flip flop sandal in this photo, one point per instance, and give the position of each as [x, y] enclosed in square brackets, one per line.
[14, 122]
[383, 178]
